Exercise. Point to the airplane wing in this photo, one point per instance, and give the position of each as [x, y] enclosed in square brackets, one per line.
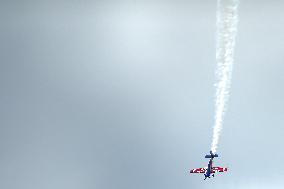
[198, 170]
[219, 169]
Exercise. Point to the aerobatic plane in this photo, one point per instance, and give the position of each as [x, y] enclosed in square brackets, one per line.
[209, 170]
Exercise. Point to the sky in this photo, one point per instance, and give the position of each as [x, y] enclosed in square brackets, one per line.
[120, 94]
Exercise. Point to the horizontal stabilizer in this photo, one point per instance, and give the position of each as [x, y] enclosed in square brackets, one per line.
[211, 156]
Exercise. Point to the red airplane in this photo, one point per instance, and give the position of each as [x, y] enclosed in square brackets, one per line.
[209, 170]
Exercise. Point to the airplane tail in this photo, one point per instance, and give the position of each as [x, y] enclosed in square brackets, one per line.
[211, 155]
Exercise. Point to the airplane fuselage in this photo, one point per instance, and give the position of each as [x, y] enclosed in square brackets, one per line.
[209, 169]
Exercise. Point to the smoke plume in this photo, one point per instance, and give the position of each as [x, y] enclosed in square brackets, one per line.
[227, 18]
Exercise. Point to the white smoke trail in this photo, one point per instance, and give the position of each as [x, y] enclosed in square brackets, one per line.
[227, 18]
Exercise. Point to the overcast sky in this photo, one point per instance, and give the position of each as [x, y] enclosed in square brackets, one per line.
[119, 95]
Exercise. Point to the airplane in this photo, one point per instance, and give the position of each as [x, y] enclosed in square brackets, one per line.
[209, 170]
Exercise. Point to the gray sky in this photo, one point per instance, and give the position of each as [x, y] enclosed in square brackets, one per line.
[119, 95]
